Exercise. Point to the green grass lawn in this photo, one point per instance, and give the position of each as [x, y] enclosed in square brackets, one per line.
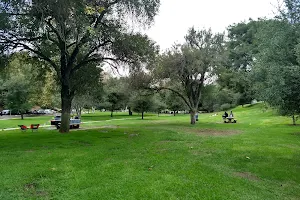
[156, 158]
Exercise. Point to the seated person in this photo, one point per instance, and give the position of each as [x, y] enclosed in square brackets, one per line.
[225, 115]
[231, 114]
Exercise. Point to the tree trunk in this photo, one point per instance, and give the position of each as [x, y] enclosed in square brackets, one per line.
[174, 113]
[66, 103]
[193, 120]
[129, 111]
[294, 120]
[142, 115]
[79, 113]
[111, 113]
[22, 116]
[158, 114]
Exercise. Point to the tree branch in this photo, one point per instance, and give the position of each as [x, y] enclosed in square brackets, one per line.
[176, 92]
[87, 57]
[48, 22]
[40, 54]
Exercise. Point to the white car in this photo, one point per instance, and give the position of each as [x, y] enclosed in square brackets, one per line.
[48, 111]
[5, 112]
[41, 111]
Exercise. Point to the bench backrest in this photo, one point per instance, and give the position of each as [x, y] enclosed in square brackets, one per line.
[34, 126]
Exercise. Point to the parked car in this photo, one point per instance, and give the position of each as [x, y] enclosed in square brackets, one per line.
[48, 111]
[74, 123]
[5, 112]
[56, 120]
[41, 111]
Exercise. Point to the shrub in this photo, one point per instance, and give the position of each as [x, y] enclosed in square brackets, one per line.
[216, 107]
[225, 106]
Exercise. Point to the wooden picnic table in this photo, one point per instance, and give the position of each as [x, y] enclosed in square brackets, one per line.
[230, 120]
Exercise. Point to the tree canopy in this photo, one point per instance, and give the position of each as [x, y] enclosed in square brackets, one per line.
[70, 35]
[186, 68]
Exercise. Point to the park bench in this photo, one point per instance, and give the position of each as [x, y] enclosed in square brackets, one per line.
[34, 127]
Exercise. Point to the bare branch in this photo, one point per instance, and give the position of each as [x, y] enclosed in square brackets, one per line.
[39, 53]
[176, 92]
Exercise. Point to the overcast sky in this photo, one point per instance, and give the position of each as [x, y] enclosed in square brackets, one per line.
[176, 16]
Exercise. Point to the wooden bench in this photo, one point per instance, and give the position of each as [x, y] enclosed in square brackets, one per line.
[34, 127]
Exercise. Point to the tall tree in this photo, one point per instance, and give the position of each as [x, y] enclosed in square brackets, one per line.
[186, 68]
[142, 104]
[175, 103]
[158, 104]
[241, 48]
[18, 94]
[290, 11]
[115, 101]
[71, 34]
[276, 72]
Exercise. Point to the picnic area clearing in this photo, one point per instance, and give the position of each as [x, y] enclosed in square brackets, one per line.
[157, 158]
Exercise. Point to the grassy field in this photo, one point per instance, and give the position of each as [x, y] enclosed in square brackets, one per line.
[156, 158]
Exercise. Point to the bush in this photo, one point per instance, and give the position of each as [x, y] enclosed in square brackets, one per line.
[225, 106]
[216, 107]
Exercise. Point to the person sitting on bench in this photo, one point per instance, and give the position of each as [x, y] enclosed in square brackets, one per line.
[225, 115]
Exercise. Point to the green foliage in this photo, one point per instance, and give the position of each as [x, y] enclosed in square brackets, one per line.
[241, 49]
[186, 68]
[116, 94]
[175, 103]
[215, 97]
[277, 69]
[18, 93]
[241, 46]
[158, 103]
[115, 99]
[141, 104]
[225, 107]
[291, 11]
[43, 89]
[3, 92]
[72, 35]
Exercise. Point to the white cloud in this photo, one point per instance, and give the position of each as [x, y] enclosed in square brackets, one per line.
[176, 16]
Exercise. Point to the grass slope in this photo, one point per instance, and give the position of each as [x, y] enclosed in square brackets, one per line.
[156, 158]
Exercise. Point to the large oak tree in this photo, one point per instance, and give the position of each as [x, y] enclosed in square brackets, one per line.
[69, 35]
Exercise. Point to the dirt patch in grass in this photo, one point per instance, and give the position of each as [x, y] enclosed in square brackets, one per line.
[247, 175]
[212, 132]
[32, 188]
[95, 127]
